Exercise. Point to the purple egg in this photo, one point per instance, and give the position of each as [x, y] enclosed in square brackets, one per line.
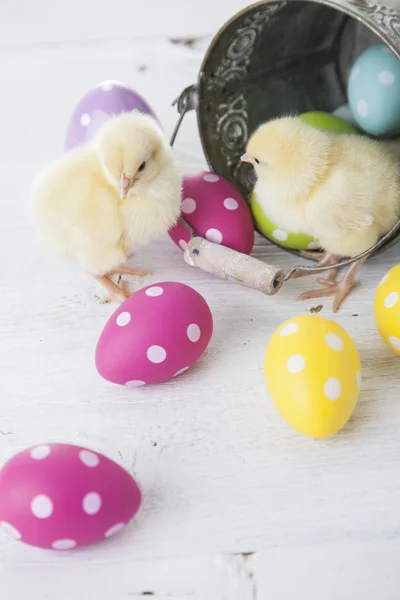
[108, 99]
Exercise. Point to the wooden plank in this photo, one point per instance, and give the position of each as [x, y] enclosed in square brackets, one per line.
[65, 21]
[220, 471]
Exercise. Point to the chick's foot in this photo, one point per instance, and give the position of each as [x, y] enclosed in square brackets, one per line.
[128, 271]
[312, 255]
[339, 290]
[329, 280]
[116, 291]
[326, 261]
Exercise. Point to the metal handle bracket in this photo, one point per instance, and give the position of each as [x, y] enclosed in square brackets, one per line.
[186, 102]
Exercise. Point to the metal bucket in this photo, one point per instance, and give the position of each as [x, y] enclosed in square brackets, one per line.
[280, 58]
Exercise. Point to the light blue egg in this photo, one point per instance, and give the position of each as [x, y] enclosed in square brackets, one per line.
[344, 112]
[374, 91]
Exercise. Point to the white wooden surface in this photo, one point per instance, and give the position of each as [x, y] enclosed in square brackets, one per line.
[222, 474]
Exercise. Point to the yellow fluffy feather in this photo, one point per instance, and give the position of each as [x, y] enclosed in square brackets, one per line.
[96, 204]
[344, 190]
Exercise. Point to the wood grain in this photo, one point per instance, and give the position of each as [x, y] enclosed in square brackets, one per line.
[222, 474]
[229, 264]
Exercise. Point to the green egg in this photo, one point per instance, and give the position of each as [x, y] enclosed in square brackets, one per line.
[295, 241]
[328, 122]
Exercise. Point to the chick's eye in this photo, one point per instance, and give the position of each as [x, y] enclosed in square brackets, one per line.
[142, 167]
[257, 161]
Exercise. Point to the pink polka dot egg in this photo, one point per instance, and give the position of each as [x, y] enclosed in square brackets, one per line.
[156, 334]
[216, 210]
[61, 496]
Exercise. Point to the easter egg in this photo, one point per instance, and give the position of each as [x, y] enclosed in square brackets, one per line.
[216, 210]
[387, 308]
[156, 334]
[374, 91]
[286, 239]
[60, 496]
[108, 99]
[327, 122]
[344, 112]
[313, 374]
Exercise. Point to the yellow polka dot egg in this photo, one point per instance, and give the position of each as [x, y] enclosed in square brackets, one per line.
[313, 374]
[286, 239]
[387, 309]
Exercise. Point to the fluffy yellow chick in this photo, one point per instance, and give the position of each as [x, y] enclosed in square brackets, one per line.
[100, 201]
[343, 190]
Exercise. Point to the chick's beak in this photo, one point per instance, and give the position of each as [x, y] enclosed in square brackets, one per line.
[246, 158]
[125, 185]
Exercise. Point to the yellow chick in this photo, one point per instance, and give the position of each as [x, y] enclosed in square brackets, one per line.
[343, 190]
[96, 204]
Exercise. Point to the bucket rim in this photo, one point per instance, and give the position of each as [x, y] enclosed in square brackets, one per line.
[350, 9]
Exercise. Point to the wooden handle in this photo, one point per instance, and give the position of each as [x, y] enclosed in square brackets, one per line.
[230, 264]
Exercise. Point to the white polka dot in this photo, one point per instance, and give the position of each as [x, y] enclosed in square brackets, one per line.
[154, 291]
[213, 235]
[42, 506]
[280, 235]
[231, 204]
[384, 278]
[332, 388]
[107, 86]
[135, 383]
[296, 363]
[181, 371]
[211, 177]
[123, 319]
[114, 530]
[391, 299]
[395, 342]
[10, 530]
[86, 119]
[358, 379]
[40, 452]
[193, 332]
[354, 73]
[334, 341]
[313, 246]
[386, 78]
[64, 544]
[89, 459]
[188, 206]
[362, 108]
[288, 329]
[91, 503]
[183, 244]
[156, 354]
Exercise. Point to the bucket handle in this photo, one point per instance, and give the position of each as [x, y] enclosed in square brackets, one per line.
[233, 265]
[186, 102]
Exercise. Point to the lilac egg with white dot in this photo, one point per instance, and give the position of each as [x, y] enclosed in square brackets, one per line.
[62, 496]
[156, 334]
[108, 99]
